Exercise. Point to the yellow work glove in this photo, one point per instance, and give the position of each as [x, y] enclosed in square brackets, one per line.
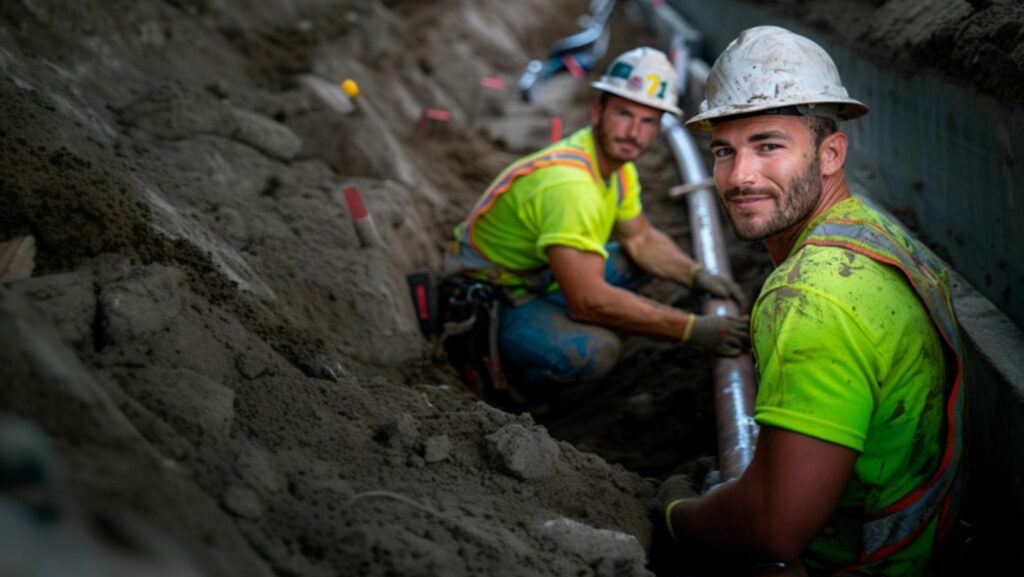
[723, 336]
[720, 286]
[674, 490]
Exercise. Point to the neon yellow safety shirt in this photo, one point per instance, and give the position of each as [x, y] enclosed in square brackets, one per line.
[556, 205]
[848, 354]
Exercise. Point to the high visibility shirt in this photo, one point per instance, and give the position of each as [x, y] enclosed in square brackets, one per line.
[555, 196]
[848, 353]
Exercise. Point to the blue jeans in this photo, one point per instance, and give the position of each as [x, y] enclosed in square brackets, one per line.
[540, 345]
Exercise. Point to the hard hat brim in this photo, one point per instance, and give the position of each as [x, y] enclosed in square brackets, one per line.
[603, 87]
[849, 109]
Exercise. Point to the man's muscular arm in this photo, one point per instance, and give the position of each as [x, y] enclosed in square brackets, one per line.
[580, 275]
[591, 299]
[776, 507]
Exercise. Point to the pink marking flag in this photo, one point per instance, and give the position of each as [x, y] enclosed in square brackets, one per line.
[573, 66]
[556, 129]
[429, 113]
[493, 83]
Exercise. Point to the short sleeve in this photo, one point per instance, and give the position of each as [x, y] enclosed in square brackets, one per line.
[816, 367]
[570, 215]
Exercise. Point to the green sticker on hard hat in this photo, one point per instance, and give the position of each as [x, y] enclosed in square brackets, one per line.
[620, 70]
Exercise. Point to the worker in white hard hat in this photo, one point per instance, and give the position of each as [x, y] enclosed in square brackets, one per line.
[556, 236]
[857, 463]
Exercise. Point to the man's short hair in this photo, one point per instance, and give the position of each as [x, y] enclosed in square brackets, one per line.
[821, 128]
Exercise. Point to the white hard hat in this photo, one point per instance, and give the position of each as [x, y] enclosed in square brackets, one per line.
[643, 75]
[767, 67]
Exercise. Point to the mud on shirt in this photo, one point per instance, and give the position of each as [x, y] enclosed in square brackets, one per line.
[848, 354]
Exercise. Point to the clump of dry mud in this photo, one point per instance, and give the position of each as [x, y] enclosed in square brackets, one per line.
[233, 384]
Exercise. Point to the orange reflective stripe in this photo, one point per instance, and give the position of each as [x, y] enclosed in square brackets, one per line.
[568, 157]
[466, 247]
[621, 189]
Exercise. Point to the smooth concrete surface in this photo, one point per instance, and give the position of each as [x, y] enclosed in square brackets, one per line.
[995, 424]
[916, 153]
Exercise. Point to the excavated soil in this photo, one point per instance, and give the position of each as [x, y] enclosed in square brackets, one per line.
[231, 383]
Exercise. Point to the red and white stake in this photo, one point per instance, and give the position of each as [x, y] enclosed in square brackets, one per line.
[366, 230]
[429, 114]
[493, 83]
[556, 129]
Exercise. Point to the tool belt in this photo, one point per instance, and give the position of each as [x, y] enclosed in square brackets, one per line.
[471, 310]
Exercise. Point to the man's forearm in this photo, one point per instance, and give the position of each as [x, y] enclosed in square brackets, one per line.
[728, 523]
[774, 510]
[655, 253]
[621, 309]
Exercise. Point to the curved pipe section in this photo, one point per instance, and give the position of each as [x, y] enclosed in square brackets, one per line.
[586, 46]
[734, 378]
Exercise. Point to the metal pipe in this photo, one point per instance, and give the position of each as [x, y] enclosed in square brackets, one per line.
[734, 378]
[734, 381]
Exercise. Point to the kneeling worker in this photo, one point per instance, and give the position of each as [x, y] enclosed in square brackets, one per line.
[541, 237]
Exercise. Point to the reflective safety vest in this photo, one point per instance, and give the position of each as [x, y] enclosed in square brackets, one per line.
[896, 526]
[464, 255]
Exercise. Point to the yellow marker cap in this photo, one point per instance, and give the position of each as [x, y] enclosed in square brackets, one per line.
[349, 87]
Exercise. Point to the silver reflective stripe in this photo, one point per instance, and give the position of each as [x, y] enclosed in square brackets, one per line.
[470, 262]
[467, 259]
[901, 524]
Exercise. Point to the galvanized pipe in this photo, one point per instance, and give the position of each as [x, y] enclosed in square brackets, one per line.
[734, 381]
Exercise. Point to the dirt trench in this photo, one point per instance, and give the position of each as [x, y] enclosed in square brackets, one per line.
[231, 383]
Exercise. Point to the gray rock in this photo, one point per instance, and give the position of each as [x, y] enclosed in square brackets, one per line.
[524, 453]
[323, 368]
[231, 225]
[243, 502]
[609, 553]
[270, 137]
[144, 301]
[256, 471]
[437, 448]
[408, 431]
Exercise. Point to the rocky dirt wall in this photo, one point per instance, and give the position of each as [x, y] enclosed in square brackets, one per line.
[232, 384]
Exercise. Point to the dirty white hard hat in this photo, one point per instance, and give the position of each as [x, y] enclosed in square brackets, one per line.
[643, 75]
[767, 68]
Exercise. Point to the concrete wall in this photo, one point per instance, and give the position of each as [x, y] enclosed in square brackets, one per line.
[919, 153]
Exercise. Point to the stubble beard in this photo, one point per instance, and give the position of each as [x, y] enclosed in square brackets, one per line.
[795, 204]
[607, 144]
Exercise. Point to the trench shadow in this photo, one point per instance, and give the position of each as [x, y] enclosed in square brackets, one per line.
[652, 414]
